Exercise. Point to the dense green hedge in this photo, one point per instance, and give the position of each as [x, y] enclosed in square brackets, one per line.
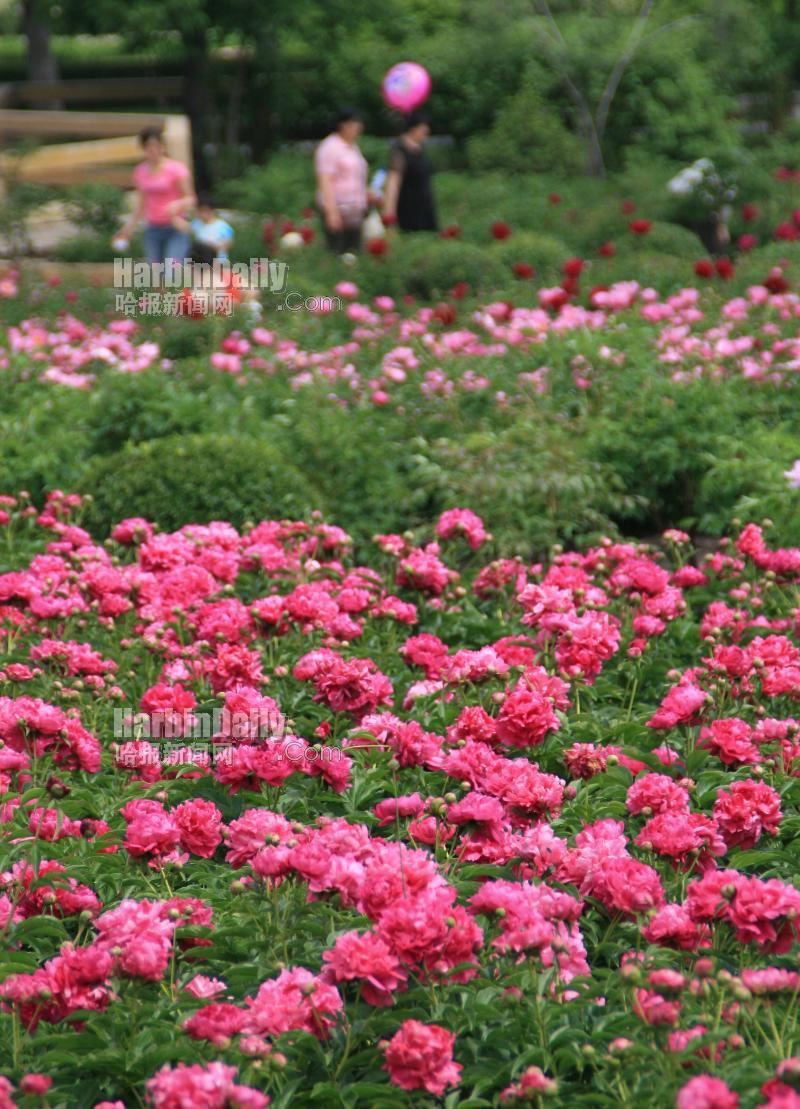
[196, 478]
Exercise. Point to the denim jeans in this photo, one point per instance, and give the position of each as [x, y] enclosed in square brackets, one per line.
[163, 242]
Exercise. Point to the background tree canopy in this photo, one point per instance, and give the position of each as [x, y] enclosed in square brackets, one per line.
[518, 84]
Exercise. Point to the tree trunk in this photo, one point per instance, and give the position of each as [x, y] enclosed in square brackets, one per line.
[42, 62]
[195, 80]
[264, 67]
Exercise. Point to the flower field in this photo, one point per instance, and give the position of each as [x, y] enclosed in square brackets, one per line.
[397, 696]
[459, 826]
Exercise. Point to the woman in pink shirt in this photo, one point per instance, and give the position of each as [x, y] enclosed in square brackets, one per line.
[163, 194]
[342, 183]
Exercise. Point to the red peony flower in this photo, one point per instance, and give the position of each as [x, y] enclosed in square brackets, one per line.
[554, 198]
[704, 268]
[500, 229]
[776, 282]
[307, 234]
[420, 1057]
[459, 290]
[452, 231]
[640, 226]
[747, 242]
[445, 314]
[607, 250]
[377, 247]
[724, 268]
[573, 267]
[749, 809]
[705, 1092]
[786, 231]
[749, 212]
[627, 207]
[523, 270]
[35, 1084]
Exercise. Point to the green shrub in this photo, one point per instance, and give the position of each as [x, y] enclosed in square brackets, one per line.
[660, 440]
[533, 485]
[527, 136]
[428, 267]
[545, 253]
[747, 481]
[86, 247]
[753, 268]
[183, 479]
[664, 272]
[133, 408]
[665, 238]
[96, 206]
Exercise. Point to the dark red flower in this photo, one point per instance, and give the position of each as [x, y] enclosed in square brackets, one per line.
[786, 231]
[704, 268]
[308, 212]
[724, 268]
[444, 313]
[453, 231]
[500, 229]
[459, 290]
[307, 235]
[749, 212]
[554, 198]
[747, 242]
[573, 267]
[640, 226]
[268, 232]
[784, 174]
[607, 250]
[627, 207]
[286, 226]
[378, 247]
[776, 282]
[523, 270]
[570, 286]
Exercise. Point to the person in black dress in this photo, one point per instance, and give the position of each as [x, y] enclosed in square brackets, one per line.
[408, 196]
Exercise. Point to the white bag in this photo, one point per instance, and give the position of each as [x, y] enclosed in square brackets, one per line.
[373, 226]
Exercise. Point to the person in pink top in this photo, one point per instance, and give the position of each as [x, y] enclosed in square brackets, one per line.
[163, 196]
[341, 171]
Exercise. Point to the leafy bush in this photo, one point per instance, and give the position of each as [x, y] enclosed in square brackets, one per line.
[527, 135]
[535, 483]
[545, 253]
[96, 206]
[134, 408]
[195, 478]
[668, 238]
[747, 481]
[429, 267]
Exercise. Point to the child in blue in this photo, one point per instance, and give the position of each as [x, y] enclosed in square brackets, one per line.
[209, 231]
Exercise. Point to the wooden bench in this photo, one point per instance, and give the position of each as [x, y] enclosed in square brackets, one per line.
[111, 150]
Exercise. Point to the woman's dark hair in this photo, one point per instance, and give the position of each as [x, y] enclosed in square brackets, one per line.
[205, 200]
[148, 133]
[416, 119]
[345, 114]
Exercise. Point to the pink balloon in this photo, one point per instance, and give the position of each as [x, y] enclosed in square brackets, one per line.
[406, 86]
